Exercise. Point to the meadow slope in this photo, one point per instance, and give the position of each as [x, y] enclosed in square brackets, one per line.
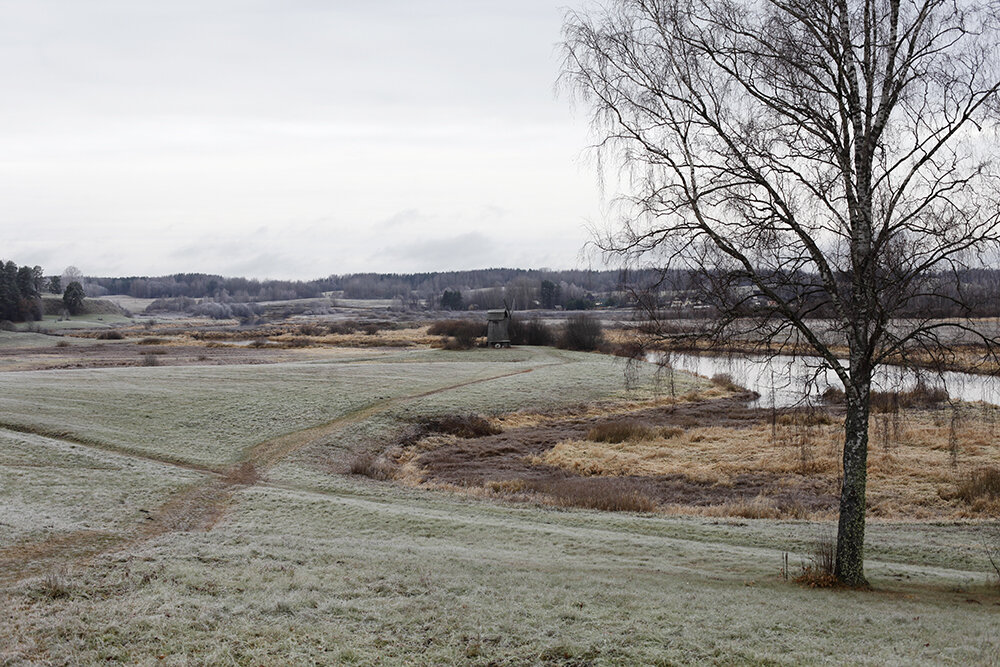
[201, 515]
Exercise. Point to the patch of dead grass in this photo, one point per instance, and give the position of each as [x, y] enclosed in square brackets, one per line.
[915, 475]
[527, 419]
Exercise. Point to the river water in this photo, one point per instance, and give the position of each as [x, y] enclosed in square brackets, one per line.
[785, 381]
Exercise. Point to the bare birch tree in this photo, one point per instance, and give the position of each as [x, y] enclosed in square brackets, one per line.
[837, 157]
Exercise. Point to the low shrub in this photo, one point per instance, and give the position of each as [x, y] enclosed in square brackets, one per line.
[620, 431]
[921, 396]
[342, 328]
[312, 329]
[150, 359]
[581, 332]
[368, 465]
[110, 335]
[458, 334]
[725, 381]
[530, 332]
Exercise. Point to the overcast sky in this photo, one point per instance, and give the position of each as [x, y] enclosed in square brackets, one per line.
[288, 138]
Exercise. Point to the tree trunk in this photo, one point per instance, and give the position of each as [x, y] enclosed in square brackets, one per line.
[850, 567]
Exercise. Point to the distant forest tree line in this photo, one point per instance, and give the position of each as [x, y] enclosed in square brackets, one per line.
[484, 288]
[21, 287]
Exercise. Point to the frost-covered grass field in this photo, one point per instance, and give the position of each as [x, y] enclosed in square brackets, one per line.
[301, 564]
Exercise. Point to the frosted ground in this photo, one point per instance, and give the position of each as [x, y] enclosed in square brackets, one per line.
[200, 515]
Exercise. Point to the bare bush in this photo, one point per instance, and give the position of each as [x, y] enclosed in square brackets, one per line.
[367, 464]
[458, 334]
[725, 381]
[581, 332]
[530, 332]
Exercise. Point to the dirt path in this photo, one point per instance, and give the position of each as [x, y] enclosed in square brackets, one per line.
[105, 447]
[196, 507]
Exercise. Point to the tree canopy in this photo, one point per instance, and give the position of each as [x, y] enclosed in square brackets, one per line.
[73, 298]
[803, 157]
[20, 292]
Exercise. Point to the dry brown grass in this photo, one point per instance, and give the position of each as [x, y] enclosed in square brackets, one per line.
[917, 476]
[608, 409]
[980, 484]
[622, 431]
[760, 507]
[374, 467]
[608, 495]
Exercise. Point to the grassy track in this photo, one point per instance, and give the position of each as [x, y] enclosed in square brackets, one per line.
[196, 519]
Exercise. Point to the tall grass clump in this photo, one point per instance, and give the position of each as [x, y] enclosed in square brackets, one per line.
[820, 572]
[981, 483]
[598, 493]
[55, 585]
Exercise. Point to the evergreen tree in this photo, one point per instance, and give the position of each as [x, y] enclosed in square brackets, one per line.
[73, 298]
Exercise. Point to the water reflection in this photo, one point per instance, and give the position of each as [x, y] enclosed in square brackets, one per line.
[785, 381]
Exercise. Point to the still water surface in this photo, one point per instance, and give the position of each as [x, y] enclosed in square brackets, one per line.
[785, 381]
